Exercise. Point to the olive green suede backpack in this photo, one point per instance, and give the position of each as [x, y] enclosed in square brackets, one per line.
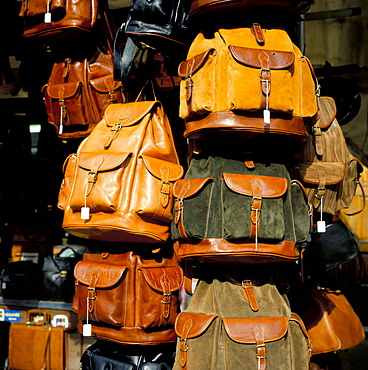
[238, 319]
[238, 211]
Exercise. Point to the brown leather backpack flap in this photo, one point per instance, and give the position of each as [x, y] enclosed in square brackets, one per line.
[186, 188]
[64, 91]
[191, 325]
[163, 170]
[252, 57]
[105, 84]
[327, 111]
[259, 186]
[127, 114]
[326, 173]
[107, 162]
[243, 330]
[31, 8]
[166, 279]
[100, 275]
[191, 66]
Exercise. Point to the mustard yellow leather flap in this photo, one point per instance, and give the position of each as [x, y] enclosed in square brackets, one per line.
[127, 114]
[243, 330]
[106, 162]
[190, 325]
[260, 186]
[103, 276]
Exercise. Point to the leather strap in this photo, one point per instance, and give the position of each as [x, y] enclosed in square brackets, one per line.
[258, 332]
[265, 76]
[183, 346]
[256, 208]
[248, 293]
[167, 296]
[256, 29]
[123, 61]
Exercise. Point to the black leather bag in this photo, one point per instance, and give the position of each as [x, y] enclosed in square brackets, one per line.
[161, 25]
[107, 355]
[334, 247]
[21, 280]
[58, 275]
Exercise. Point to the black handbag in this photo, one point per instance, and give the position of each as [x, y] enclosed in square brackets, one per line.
[161, 25]
[21, 280]
[113, 356]
[58, 275]
[334, 247]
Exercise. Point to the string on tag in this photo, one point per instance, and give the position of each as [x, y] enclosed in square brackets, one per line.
[256, 237]
[47, 18]
[321, 225]
[266, 112]
[87, 328]
[85, 209]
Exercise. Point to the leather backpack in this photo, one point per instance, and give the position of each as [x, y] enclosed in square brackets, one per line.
[238, 211]
[328, 171]
[78, 92]
[247, 80]
[128, 297]
[238, 319]
[118, 186]
[61, 18]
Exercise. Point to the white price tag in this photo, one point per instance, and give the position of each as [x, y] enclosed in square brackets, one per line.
[47, 18]
[266, 116]
[87, 330]
[85, 213]
[321, 226]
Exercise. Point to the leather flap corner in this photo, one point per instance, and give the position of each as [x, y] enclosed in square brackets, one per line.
[127, 114]
[192, 65]
[327, 111]
[105, 84]
[191, 325]
[185, 188]
[161, 278]
[163, 169]
[329, 173]
[242, 330]
[254, 185]
[103, 276]
[251, 57]
[103, 162]
[64, 91]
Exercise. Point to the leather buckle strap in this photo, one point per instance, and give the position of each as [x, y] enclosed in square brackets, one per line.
[248, 293]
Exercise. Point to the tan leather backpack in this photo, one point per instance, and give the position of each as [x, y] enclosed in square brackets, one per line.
[330, 174]
[118, 186]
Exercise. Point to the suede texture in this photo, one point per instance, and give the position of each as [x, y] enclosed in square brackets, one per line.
[225, 83]
[216, 211]
[214, 350]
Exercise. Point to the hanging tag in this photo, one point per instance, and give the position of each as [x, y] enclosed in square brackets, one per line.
[87, 330]
[3, 285]
[85, 213]
[321, 226]
[47, 18]
[266, 116]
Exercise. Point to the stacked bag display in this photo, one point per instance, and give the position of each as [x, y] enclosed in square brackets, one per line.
[263, 148]
[260, 174]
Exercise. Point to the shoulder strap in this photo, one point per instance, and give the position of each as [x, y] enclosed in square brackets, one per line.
[123, 59]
